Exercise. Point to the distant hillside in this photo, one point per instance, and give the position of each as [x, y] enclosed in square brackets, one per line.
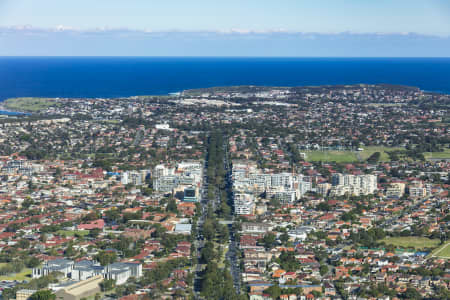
[229, 89]
[254, 88]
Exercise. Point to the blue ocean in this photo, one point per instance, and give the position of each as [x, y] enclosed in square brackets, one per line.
[129, 76]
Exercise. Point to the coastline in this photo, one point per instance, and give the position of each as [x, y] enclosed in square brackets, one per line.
[119, 77]
[21, 106]
[8, 112]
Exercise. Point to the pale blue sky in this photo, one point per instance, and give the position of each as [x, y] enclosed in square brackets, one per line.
[29, 27]
[419, 16]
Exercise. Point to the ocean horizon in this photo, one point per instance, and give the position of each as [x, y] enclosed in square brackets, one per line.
[108, 77]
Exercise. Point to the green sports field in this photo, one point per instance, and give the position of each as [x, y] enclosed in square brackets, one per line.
[417, 243]
[337, 156]
[29, 104]
[444, 154]
[368, 151]
[25, 274]
[73, 232]
[349, 156]
[443, 251]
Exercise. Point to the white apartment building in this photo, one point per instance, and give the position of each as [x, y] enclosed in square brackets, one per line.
[285, 196]
[162, 170]
[82, 270]
[186, 173]
[417, 192]
[244, 203]
[395, 190]
[323, 188]
[248, 179]
[353, 184]
[134, 177]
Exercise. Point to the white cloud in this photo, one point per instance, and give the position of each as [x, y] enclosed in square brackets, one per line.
[235, 33]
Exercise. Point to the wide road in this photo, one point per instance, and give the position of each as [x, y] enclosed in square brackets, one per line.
[232, 254]
[233, 248]
[199, 243]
